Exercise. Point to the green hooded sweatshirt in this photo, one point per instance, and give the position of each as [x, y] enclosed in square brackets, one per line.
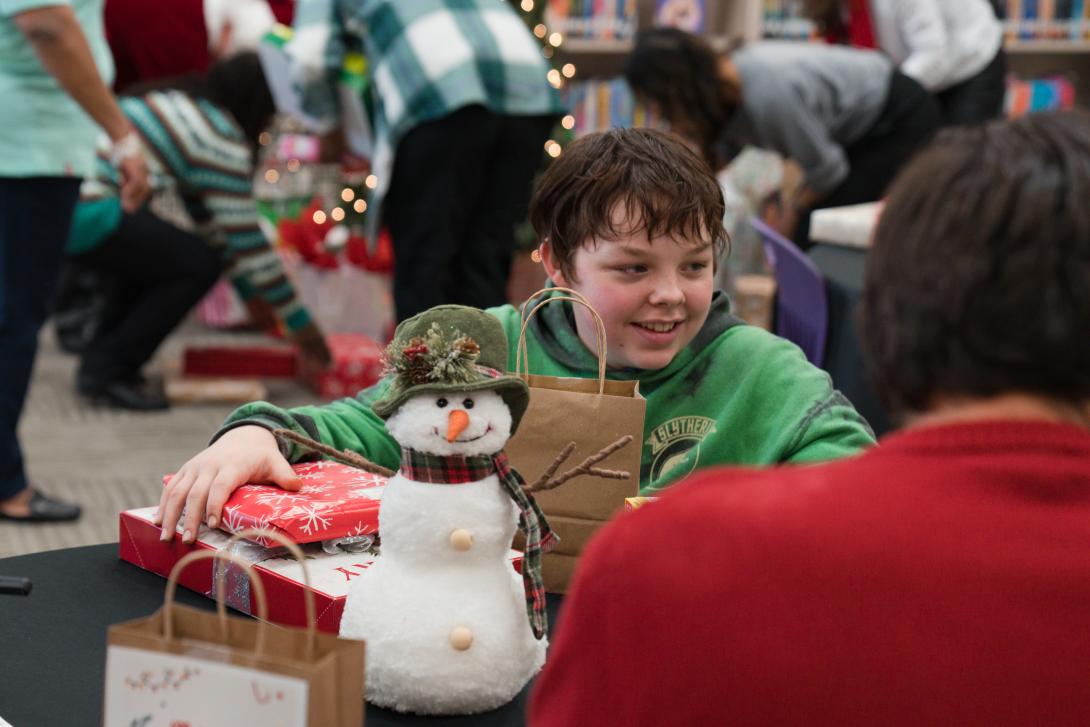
[736, 395]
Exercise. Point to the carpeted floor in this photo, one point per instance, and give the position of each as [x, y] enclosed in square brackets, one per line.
[105, 459]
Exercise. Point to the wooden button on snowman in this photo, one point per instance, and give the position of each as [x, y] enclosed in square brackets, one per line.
[450, 627]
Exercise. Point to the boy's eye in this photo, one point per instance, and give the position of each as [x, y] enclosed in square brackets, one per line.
[440, 402]
[697, 267]
[632, 269]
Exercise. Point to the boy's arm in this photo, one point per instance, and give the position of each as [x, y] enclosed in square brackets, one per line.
[244, 450]
[832, 429]
[345, 424]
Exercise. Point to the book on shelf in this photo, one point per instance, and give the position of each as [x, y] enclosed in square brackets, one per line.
[1029, 20]
[600, 104]
[592, 19]
[687, 15]
[784, 19]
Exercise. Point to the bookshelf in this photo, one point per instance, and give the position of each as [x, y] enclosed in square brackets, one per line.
[1043, 38]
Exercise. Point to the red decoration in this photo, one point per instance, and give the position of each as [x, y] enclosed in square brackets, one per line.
[357, 364]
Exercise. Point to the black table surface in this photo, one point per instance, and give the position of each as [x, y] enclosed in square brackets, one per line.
[843, 268]
[53, 642]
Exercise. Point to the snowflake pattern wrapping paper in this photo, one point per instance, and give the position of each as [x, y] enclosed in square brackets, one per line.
[335, 501]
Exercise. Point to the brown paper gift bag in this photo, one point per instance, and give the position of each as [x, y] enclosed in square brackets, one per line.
[182, 665]
[592, 413]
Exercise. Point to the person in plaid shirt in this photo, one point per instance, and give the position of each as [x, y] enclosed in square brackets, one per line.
[462, 109]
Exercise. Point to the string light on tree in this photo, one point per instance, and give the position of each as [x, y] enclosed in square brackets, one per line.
[371, 181]
[568, 69]
[527, 6]
[348, 194]
[541, 31]
[360, 206]
[568, 122]
[337, 214]
[272, 176]
[552, 148]
[294, 165]
[318, 217]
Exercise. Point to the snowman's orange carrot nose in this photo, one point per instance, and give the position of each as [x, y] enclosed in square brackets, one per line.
[456, 423]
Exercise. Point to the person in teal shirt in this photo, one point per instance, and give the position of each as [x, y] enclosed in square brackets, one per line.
[54, 72]
[632, 220]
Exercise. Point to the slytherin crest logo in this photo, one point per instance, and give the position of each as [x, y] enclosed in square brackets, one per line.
[675, 446]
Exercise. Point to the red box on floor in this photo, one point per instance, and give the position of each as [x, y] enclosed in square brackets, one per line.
[357, 364]
[268, 361]
[282, 575]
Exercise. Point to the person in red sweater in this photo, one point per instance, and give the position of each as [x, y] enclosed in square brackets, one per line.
[942, 577]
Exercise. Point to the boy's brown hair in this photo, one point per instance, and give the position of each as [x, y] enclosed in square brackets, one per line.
[978, 281]
[665, 187]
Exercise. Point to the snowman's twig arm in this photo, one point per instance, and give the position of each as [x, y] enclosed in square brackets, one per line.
[586, 467]
[540, 482]
[345, 456]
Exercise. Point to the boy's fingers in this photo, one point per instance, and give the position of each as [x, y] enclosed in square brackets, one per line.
[172, 500]
[226, 482]
[282, 474]
[194, 506]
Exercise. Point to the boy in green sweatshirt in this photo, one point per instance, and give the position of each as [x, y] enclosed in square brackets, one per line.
[632, 219]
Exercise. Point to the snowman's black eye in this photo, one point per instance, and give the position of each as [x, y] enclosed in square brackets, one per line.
[468, 403]
[440, 402]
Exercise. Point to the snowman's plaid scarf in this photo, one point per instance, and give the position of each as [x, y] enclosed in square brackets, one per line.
[457, 470]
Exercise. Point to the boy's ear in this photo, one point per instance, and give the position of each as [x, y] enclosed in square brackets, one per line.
[552, 268]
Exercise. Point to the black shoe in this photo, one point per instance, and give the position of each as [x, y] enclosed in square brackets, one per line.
[45, 509]
[133, 395]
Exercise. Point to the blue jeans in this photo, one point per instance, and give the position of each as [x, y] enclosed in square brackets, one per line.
[35, 214]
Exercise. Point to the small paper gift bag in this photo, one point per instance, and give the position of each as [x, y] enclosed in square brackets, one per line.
[591, 413]
[185, 666]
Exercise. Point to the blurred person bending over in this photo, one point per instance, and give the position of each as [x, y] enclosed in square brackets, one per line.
[201, 134]
[53, 62]
[954, 49]
[846, 116]
[942, 577]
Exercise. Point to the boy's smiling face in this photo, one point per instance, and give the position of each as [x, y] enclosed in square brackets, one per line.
[653, 294]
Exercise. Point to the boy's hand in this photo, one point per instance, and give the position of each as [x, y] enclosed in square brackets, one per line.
[204, 483]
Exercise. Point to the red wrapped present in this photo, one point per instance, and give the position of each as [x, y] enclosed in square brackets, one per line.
[247, 361]
[357, 364]
[336, 501]
[330, 574]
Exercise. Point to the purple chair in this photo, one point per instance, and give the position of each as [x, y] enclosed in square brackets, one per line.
[802, 311]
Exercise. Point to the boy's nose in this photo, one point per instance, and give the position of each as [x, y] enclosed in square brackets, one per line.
[667, 292]
[457, 421]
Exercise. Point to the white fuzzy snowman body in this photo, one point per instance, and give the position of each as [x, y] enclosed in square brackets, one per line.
[444, 575]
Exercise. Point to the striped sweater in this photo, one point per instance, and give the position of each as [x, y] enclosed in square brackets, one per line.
[195, 148]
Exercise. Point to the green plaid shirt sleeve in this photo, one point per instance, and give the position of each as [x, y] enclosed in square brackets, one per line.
[318, 93]
[431, 57]
[426, 59]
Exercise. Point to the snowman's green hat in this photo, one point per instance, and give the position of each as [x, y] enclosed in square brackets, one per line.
[450, 348]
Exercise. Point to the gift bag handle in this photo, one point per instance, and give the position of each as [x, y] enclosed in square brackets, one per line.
[522, 356]
[308, 594]
[259, 591]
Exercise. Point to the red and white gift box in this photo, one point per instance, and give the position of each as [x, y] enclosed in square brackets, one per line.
[335, 501]
[257, 360]
[282, 576]
[357, 364]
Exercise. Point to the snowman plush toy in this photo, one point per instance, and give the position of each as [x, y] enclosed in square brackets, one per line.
[450, 627]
